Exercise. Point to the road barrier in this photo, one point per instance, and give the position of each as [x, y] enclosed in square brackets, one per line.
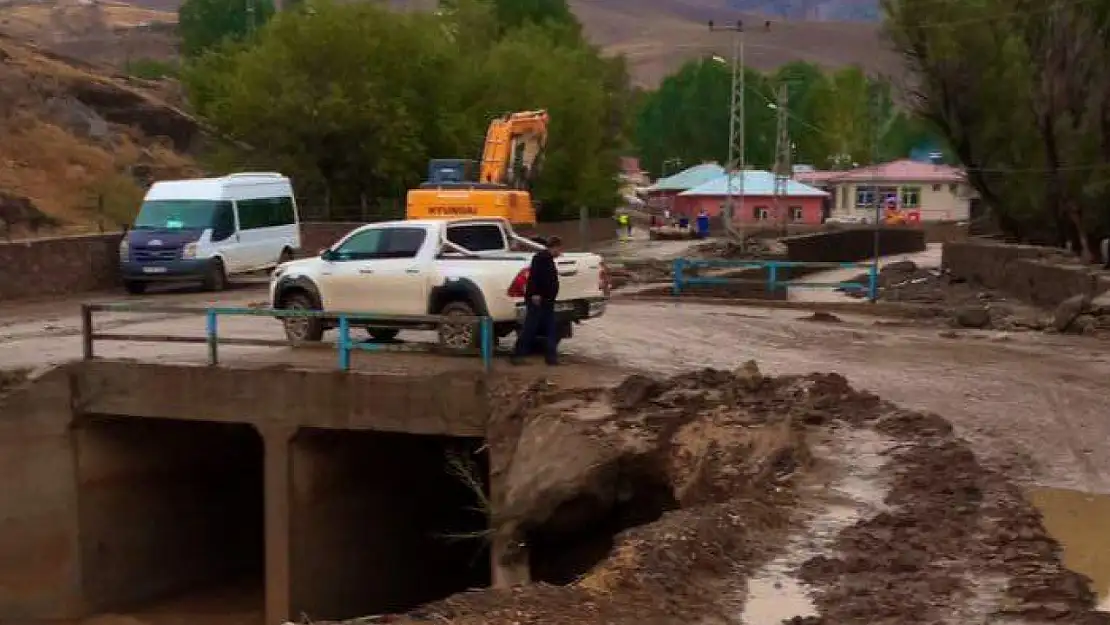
[343, 320]
[776, 271]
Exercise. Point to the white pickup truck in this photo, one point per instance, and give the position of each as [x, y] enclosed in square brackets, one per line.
[463, 267]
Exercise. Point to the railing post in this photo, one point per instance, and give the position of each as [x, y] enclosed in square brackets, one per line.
[873, 283]
[676, 289]
[213, 340]
[772, 276]
[344, 343]
[486, 329]
[87, 331]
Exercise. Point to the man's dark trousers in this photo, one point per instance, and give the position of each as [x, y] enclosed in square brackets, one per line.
[538, 318]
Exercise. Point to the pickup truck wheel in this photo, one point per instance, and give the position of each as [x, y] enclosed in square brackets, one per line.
[301, 329]
[458, 336]
[135, 287]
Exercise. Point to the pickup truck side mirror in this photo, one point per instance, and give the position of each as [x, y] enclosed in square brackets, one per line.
[327, 254]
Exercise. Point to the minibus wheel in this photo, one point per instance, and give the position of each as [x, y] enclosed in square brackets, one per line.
[216, 280]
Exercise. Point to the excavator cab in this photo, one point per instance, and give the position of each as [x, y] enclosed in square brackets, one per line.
[498, 186]
[449, 171]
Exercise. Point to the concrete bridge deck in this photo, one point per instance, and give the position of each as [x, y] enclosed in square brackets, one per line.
[122, 482]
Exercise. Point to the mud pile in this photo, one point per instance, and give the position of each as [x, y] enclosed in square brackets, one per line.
[660, 501]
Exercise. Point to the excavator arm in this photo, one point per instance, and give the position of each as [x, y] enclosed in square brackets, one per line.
[513, 149]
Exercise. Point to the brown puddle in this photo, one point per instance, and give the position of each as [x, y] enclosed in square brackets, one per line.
[1081, 522]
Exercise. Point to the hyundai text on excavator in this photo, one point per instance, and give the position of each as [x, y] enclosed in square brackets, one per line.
[510, 160]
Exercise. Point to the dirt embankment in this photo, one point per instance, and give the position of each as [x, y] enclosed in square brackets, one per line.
[683, 500]
[79, 143]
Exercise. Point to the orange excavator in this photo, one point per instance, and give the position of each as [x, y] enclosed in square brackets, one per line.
[510, 160]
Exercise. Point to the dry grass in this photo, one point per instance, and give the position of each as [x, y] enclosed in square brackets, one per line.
[84, 183]
[603, 578]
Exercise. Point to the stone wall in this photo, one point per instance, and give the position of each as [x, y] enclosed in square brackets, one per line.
[54, 267]
[1040, 276]
[59, 266]
[842, 246]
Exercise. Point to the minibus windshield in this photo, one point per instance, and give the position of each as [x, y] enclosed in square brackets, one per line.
[178, 214]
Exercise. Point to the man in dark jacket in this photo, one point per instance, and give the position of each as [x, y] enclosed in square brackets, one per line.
[539, 301]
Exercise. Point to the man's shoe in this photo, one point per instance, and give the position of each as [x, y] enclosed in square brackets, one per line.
[516, 361]
[552, 363]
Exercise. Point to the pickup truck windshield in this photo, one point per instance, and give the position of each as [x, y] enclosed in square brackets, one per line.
[179, 214]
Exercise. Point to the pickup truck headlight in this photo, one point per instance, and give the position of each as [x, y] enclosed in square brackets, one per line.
[124, 250]
[189, 251]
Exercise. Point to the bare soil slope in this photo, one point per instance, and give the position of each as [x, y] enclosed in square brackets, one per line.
[724, 497]
[658, 36]
[109, 32]
[78, 142]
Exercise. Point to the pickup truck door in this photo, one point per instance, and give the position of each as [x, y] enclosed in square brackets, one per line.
[378, 271]
[398, 280]
[349, 267]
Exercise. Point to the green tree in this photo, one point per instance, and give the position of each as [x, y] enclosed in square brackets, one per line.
[203, 24]
[1018, 91]
[353, 99]
[687, 117]
[340, 96]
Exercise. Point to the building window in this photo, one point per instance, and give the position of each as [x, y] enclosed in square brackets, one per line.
[796, 213]
[865, 197]
[911, 197]
[952, 188]
[761, 213]
[936, 188]
[843, 193]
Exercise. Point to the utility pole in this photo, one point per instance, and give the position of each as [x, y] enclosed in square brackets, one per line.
[736, 157]
[783, 162]
[873, 116]
[250, 16]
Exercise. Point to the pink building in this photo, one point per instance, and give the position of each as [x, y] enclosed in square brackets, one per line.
[799, 204]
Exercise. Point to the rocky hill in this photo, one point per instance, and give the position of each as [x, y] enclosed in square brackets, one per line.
[80, 142]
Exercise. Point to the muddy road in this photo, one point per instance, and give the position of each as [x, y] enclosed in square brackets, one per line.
[1030, 403]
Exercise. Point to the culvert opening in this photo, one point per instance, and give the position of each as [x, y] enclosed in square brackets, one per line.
[170, 513]
[384, 522]
[582, 531]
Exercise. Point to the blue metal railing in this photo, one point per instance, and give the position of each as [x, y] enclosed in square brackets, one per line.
[774, 278]
[344, 345]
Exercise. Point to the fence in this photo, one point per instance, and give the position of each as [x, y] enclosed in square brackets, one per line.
[776, 274]
[344, 320]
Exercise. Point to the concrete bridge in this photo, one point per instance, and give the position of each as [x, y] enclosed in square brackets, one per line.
[124, 482]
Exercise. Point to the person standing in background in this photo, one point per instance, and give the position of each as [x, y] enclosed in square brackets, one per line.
[539, 301]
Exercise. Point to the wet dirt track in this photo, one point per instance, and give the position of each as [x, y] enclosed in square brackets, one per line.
[1031, 403]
